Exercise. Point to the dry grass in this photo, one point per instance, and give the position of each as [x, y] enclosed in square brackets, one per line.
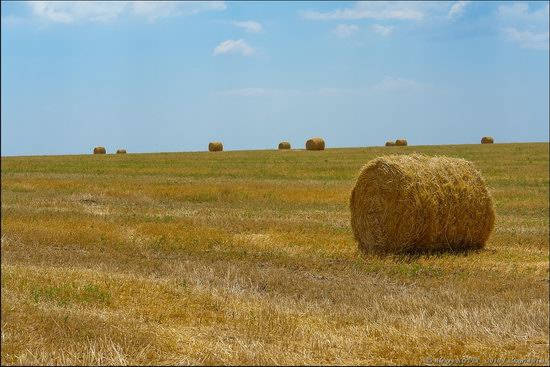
[417, 203]
[99, 150]
[487, 140]
[249, 258]
[390, 143]
[121, 151]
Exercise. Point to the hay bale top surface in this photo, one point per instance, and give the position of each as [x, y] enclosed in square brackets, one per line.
[416, 203]
[215, 146]
[284, 145]
[487, 140]
[401, 142]
[99, 150]
[315, 144]
[390, 143]
[121, 151]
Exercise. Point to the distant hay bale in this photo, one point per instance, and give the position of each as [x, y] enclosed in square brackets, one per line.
[415, 203]
[315, 144]
[487, 140]
[215, 146]
[401, 142]
[121, 151]
[284, 145]
[390, 143]
[99, 150]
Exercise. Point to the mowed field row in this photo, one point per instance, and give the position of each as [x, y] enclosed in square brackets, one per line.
[247, 257]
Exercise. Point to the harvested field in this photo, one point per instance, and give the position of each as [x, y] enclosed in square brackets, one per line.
[249, 258]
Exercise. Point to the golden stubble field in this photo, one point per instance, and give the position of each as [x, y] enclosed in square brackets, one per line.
[248, 258]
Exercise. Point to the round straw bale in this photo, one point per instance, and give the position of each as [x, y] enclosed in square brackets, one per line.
[401, 142]
[215, 146]
[390, 143]
[487, 140]
[315, 144]
[121, 151]
[415, 203]
[284, 145]
[99, 150]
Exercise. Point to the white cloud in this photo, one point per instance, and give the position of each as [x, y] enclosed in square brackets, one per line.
[345, 30]
[69, 12]
[249, 26]
[371, 10]
[457, 10]
[153, 10]
[77, 11]
[234, 46]
[528, 39]
[382, 30]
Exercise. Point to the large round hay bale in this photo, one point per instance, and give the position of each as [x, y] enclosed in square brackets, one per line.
[390, 143]
[315, 144]
[284, 145]
[401, 142]
[121, 151]
[215, 146]
[487, 140]
[99, 150]
[410, 203]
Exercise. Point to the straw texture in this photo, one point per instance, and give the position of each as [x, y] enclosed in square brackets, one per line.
[409, 203]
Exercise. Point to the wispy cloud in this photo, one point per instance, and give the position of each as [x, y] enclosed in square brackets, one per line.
[101, 11]
[528, 39]
[70, 12]
[525, 26]
[382, 30]
[345, 30]
[234, 46]
[457, 10]
[371, 10]
[260, 92]
[249, 26]
[519, 12]
[387, 85]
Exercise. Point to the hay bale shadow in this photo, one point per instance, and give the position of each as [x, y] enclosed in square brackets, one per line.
[416, 254]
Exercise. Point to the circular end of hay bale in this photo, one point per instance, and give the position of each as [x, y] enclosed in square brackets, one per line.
[284, 145]
[487, 140]
[415, 203]
[121, 151]
[99, 150]
[401, 142]
[215, 146]
[390, 143]
[315, 144]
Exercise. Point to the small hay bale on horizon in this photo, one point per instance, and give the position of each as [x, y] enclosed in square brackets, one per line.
[416, 203]
[99, 150]
[121, 151]
[401, 142]
[487, 140]
[215, 146]
[284, 145]
[315, 144]
[390, 143]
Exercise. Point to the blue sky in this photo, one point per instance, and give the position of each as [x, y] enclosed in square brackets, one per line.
[172, 76]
